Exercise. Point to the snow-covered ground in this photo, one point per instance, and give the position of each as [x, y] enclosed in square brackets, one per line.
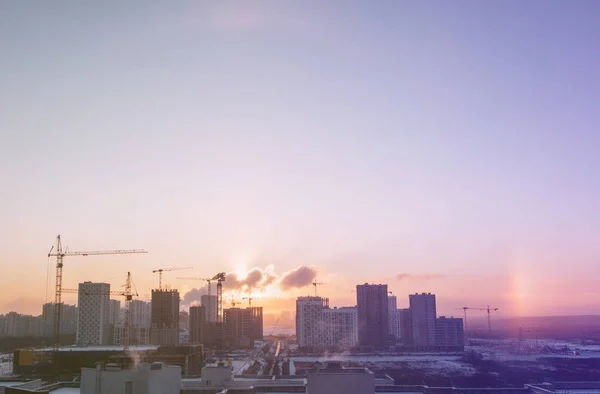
[377, 358]
[531, 349]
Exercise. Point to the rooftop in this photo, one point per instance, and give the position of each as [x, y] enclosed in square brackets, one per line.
[97, 348]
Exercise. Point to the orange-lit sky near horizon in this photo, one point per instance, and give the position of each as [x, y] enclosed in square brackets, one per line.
[437, 147]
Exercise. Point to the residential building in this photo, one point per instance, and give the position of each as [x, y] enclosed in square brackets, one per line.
[114, 314]
[256, 314]
[394, 319]
[406, 327]
[14, 324]
[373, 318]
[140, 313]
[319, 327]
[237, 323]
[449, 334]
[165, 317]
[210, 303]
[11, 324]
[341, 328]
[68, 319]
[423, 320]
[93, 319]
[197, 324]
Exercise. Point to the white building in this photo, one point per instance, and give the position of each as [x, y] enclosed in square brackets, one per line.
[423, 319]
[341, 328]
[93, 320]
[154, 378]
[209, 302]
[321, 327]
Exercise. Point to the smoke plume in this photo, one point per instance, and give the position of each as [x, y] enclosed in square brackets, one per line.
[255, 279]
[192, 297]
[298, 277]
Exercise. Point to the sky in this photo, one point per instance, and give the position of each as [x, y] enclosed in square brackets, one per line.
[445, 147]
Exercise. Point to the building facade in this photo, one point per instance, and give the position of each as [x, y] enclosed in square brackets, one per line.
[165, 317]
[197, 324]
[319, 327]
[373, 317]
[93, 318]
[68, 319]
[256, 315]
[394, 319]
[406, 328]
[237, 323]
[449, 334]
[209, 302]
[423, 311]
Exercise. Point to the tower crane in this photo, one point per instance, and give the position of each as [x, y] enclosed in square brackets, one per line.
[220, 278]
[208, 281]
[315, 284]
[161, 270]
[60, 255]
[128, 294]
[465, 309]
[249, 300]
[489, 312]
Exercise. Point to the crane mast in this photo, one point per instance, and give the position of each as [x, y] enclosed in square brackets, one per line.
[59, 254]
[128, 294]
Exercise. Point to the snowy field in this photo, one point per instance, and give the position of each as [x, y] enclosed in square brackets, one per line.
[532, 350]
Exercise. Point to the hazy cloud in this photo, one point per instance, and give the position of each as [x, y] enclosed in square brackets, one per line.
[255, 279]
[406, 276]
[298, 277]
[192, 297]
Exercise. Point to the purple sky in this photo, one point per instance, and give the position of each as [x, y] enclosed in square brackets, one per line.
[454, 141]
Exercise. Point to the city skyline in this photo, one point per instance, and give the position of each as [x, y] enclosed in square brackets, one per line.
[434, 147]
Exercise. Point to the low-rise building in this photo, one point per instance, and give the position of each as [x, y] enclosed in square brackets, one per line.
[154, 378]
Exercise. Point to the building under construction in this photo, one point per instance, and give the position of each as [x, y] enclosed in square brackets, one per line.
[165, 317]
[242, 327]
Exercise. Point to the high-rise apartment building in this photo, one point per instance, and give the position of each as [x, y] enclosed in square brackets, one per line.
[140, 313]
[165, 317]
[93, 318]
[394, 319]
[373, 317]
[68, 319]
[449, 334]
[341, 328]
[237, 324]
[423, 320]
[320, 327]
[406, 327]
[197, 324]
[14, 324]
[114, 314]
[210, 303]
[256, 315]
